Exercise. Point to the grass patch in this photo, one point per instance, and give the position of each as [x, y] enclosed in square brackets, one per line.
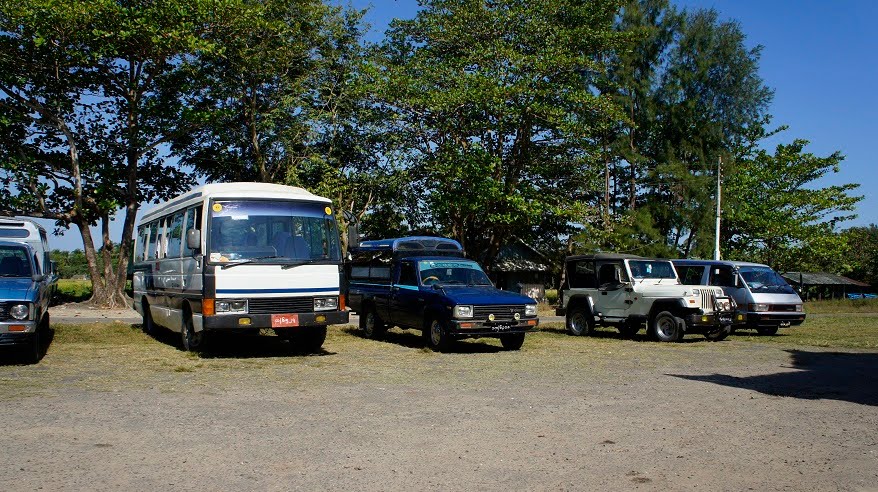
[835, 331]
[70, 290]
[834, 306]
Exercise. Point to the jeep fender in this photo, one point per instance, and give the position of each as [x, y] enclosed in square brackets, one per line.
[676, 306]
[581, 300]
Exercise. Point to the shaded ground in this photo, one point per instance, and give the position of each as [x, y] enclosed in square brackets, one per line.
[110, 408]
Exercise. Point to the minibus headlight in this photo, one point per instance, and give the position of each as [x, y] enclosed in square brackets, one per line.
[19, 311]
[463, 311]
[236, 307]
[530, 309]
[325, 303]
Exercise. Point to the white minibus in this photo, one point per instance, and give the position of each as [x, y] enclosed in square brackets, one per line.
[240, 257]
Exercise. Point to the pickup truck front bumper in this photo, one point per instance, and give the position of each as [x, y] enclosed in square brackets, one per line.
[479, 328]
[17, 333]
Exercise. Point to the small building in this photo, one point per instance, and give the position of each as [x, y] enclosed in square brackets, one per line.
[820, 285]
[521, 268]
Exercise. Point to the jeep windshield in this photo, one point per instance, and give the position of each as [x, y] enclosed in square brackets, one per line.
[276, 231]
[764, 279]
[14, 262]
[655, 269]
[452, 272]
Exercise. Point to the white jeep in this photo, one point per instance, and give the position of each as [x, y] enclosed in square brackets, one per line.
[628, 292]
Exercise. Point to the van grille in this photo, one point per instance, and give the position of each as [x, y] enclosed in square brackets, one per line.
[783, 308]
[277, 305]
[501, 312]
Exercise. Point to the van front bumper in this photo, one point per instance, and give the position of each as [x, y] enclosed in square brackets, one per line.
[245, 321]
[765, 320]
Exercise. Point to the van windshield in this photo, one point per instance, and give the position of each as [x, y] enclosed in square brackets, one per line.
[273, 231]
[452, 272]
[764, 279]
[14, 262]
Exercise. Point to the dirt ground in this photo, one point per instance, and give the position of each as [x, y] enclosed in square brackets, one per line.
[564, 413]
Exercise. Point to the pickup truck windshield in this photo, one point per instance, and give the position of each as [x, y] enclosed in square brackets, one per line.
[272, 231]
[452, 272]
[651, 269]
[14, 262]
[764, 279]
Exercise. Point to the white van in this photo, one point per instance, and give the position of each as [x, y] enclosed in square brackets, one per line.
[765, 300]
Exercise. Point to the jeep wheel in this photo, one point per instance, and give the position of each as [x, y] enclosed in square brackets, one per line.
[665, 327]
[767, 330]
[513, 341]
[579, 322]
[718, 334]
[370, 324]
[628, 329]
[436, 335]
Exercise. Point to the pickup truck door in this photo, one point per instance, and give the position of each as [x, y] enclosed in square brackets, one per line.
[406, 298]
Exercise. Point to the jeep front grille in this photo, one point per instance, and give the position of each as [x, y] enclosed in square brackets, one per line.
[708, 298]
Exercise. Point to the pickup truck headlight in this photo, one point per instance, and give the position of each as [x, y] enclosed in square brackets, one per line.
[236, 307]
[19, 311]
[758, 307]
[530, 309]
[463, 311]
[325, 303]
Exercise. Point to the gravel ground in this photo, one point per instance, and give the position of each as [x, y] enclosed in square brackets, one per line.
[562, 414]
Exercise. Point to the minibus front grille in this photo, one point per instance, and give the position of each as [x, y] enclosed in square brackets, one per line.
[280, 305]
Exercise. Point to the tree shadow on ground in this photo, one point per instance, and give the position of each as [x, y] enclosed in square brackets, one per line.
[850, 377]
[239, 346]
[414, 339]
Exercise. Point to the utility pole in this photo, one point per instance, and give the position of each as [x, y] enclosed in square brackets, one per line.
[719, 167]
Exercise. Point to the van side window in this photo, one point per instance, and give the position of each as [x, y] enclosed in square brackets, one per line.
[690, 275]
[175, 235]
[722, 276]
[582, 275]
[153, 240]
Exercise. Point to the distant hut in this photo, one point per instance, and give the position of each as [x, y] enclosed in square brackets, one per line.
[521, 268]
[820, 285]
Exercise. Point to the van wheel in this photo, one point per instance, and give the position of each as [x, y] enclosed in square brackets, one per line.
[147, 324]
[436, 335]
[665, 327]
[718, 334]
[513, 341]
[309, 339]
[370, 324]
[192, 341]
[579, 322]
[767, 330]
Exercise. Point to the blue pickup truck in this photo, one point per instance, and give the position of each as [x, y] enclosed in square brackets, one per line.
[25, 291]
[426, 284]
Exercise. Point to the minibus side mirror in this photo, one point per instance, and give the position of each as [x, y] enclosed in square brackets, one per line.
[193, 239]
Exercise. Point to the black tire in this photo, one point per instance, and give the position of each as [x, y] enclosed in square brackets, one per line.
[436, 335]
[371, 325]
[192, 341]
[309, 339]
[629, 329]
[665, 327]
[148, 324]
[580, 321]
[767, 330]
[512, 341]
[33, 351]
[719, 333]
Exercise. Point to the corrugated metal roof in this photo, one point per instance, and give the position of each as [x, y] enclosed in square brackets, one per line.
[820, 278]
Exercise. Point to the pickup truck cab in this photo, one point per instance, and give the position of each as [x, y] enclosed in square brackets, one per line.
[628, 292]
[765, 300]
[25, 292]
[426, 284]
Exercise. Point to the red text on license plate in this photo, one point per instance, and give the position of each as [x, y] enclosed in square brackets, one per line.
[284, 320]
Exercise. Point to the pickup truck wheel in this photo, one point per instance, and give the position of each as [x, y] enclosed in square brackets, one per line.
[436, 335]
[192, 341]
[147, 324]
[767, 330]
[34, 350]
[371, 325]
[309, 339]
[513, 341]
[665, 327]
[579, 322]
[719, 333]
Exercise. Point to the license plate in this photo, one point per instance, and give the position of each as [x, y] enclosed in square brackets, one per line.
[784, 324]
[725, 318]
[284, 320]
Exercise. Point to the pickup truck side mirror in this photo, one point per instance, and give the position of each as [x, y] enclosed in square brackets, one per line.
[193, 239]
[38, 277]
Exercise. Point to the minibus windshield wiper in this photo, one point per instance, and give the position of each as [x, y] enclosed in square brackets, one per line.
[299, 262]
[247, 260]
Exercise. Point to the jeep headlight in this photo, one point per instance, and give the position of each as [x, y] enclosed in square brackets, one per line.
[463, 311]
[325, 303]
[231, 307]
[20, 311]
[530, 309]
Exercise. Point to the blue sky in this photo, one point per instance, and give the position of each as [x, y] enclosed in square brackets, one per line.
[820, 57]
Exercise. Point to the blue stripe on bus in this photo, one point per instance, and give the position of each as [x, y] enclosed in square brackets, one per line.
[276, 291]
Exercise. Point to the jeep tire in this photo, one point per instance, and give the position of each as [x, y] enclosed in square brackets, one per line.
[665, 327]
[718, 334]
[580, 322]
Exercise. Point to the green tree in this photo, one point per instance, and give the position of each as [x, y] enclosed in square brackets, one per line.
[495, 108]
[863, 253]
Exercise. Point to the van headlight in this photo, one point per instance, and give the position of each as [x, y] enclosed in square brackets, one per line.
[463, 311]
[19, 311]
[530, 309]
[798, 308]
[325, 303]
[758, 307]
[236, 307]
